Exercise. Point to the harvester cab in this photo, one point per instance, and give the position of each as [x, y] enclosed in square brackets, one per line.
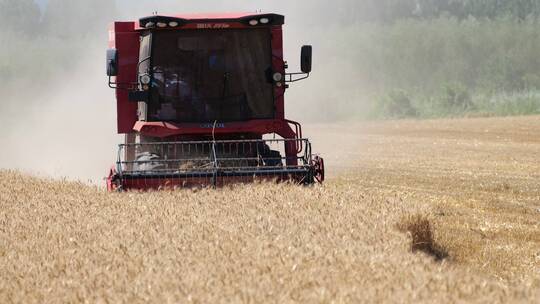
[200, 99]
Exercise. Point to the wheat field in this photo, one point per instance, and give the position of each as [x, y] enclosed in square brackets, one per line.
[413, 211]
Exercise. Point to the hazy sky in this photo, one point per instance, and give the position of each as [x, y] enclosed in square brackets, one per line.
[41, 3]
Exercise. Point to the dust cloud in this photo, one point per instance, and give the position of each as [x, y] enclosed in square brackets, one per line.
[64, 124]
[68, 130]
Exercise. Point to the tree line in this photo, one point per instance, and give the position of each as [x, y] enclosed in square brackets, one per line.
[385, 11]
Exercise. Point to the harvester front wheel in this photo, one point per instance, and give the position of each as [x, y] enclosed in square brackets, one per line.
[318, 169]
[112, 181]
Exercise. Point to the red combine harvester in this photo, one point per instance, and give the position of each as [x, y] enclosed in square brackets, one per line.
[200, 99]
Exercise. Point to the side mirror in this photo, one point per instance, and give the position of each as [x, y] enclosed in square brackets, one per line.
[306, 58]
[112, 62]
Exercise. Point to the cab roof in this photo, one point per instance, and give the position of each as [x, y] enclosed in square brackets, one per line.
[181, 20]
[230, 16]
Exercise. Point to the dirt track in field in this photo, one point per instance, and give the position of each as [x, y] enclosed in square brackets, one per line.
[464, 195]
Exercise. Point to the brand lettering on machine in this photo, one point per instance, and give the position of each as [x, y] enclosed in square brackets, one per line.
[213, 25]
[211, 126]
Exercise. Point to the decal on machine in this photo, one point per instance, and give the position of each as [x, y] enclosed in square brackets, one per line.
[213, 25]
[211, 126]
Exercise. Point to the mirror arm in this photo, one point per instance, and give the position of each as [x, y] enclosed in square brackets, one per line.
[122, 86]
[293, 79]
[111, 84]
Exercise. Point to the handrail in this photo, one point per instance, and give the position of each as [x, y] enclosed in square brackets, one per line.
[298, 135]
[243, 155]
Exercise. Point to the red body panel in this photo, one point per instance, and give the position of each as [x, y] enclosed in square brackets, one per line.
[278, 65]
[125, 39]
[259, 127]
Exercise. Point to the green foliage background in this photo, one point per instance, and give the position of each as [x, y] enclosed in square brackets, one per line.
[449, 67]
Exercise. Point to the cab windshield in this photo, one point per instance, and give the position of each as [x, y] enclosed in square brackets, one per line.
[207, 76]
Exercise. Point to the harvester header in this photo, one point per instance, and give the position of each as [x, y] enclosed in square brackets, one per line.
[197, 98]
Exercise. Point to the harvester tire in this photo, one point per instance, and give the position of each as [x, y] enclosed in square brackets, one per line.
[318, 169]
